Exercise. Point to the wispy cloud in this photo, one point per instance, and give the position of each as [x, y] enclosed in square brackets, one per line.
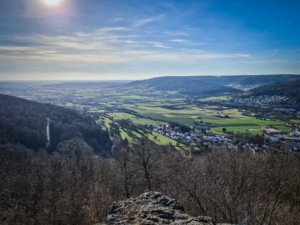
[157, 44]
[118, 19]
[111, 29]
[160, 46]
[45, 52]
[142, 22]
[131, 42]
[174, 33]
[178, 40]
[105, 46]
[13, 49]
[78, 49]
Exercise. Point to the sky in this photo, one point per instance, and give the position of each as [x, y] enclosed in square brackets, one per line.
[139, 39]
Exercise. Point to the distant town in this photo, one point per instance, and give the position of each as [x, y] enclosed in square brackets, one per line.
[264, 101]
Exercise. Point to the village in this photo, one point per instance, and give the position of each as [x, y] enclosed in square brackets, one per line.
[272, 138]
[187, 137]
[264, 101]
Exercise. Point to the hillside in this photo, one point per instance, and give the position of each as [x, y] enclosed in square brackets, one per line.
[289, 89]
[186, 85]
[209, 85]
[25, 122]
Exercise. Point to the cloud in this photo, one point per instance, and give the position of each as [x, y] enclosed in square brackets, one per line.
[160, 46]
[45, 52]
[173, 33]
[131, 42]
[108, 45]
[157, 44]
[118, 19]
[179, 40]
[13, 48]
[111, 29]
[147, 20]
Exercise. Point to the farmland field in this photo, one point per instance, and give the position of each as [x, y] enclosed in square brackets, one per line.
[135, 119]
[157, 109]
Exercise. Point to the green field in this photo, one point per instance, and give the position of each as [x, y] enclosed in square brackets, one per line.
[153, 111]
[135, 119]
[249, 125]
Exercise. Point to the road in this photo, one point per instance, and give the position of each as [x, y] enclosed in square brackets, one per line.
[48, 133]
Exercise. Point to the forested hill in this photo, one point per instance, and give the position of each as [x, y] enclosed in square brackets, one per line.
[202, 85]
[25, 122]
[289, 89]
[186, 85]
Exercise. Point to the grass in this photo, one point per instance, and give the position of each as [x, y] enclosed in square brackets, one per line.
[135, 119]
[163, 140]
[218, 98]
[213, 114]
[125, 135]
[251, 130]
[249, 125]
[105, 121]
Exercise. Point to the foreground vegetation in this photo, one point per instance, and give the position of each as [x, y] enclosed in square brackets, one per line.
[73, 186]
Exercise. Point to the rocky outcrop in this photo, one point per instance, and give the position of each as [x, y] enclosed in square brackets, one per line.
[153, 208]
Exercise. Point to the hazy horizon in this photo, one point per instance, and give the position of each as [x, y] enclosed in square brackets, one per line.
[130, 80]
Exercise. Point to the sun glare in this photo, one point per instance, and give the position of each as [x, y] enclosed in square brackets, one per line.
[52, 2]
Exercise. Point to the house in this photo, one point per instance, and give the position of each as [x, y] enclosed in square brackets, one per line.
[203, 127]
[273, 139]
[207, 138]
[272, 131]
[228, 140]
[202, 123]
[294, 134]
[194, 135]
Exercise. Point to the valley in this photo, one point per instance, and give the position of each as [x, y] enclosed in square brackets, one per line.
[130, 111]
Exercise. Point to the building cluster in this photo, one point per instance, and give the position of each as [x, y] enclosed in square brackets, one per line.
[217, 139]
[273, 135]
[174, 133]
[271, 131]
[205, 126]
[254, 148]
[294, 129]
[284, 110]
[261, 101]
[188, 137]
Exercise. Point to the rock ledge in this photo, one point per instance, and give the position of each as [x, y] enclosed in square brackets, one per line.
[152, 208]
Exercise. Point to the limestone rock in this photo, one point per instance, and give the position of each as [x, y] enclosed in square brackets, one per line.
[152, 208]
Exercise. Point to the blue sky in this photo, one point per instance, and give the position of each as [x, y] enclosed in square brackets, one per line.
[137, 39]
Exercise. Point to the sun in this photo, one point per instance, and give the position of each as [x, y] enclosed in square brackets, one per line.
[52, 2]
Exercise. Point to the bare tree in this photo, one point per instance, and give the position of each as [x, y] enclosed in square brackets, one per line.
[145, 155]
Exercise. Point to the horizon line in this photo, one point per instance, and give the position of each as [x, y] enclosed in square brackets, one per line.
[129, 80]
